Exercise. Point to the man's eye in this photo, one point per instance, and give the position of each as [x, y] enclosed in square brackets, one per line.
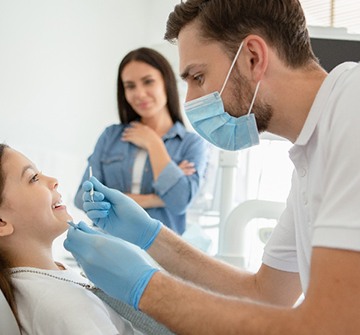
[199, 78]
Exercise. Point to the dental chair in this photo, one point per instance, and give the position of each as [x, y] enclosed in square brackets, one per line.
[142, 322]
[234, 244]
[8, 324]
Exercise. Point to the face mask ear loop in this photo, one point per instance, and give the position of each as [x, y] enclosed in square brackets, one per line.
[253, 99]
[231, 67]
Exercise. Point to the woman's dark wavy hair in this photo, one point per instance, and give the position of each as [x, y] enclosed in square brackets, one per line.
[6, 285]
[281, 23]
[159, 62]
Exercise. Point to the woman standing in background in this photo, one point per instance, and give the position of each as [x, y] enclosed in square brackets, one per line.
[150, 155]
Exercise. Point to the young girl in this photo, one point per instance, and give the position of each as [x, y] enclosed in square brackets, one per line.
[45, 296]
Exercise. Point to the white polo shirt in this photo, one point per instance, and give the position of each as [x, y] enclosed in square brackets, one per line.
[323, 208]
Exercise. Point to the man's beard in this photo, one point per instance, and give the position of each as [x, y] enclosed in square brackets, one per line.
[242, 96]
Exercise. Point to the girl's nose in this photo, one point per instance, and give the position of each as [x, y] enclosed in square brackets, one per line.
[52, 182]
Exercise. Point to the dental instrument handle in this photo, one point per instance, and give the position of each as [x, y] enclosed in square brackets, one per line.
[119, 215]
[92, 189]
[72, 224]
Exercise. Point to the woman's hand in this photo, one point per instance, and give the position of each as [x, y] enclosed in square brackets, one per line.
[140, 135]
[187, 167]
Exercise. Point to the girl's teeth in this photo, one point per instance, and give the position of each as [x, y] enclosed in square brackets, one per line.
[58, 204]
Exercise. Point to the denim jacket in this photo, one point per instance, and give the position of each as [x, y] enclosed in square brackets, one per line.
[112, 164]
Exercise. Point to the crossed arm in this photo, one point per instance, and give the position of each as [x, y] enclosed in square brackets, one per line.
[152, 200]
[146, 138]
[228, 301]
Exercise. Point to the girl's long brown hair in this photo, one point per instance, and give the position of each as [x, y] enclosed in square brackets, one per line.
[6, 285]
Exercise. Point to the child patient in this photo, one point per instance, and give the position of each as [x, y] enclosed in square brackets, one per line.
[46, 297]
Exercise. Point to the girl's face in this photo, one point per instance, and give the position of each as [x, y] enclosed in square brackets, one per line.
[32, 204]
[144, 89]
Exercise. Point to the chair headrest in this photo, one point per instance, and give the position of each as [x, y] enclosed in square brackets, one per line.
[8, 324]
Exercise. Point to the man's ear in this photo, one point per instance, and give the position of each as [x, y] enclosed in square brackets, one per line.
[6, 228]
[257, 53]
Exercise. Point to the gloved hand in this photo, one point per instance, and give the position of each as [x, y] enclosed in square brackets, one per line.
[119, 215]
[110, 263]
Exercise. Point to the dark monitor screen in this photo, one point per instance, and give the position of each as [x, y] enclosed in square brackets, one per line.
[332, 52]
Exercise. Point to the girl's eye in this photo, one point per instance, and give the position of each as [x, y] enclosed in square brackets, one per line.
[34, 178]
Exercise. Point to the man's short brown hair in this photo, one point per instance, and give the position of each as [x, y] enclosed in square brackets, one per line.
[281, 23]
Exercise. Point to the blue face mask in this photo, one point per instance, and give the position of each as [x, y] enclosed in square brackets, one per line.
[208, 117]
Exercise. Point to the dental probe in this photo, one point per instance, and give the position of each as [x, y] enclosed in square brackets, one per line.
[92, 189]
[72, 224]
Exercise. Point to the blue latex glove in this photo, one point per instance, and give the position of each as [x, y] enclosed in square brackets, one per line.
[110, 263]
[119, 215]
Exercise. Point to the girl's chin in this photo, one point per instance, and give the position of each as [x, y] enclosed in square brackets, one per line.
[65, 218]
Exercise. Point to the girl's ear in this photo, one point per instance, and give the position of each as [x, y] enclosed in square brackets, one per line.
[6, 228]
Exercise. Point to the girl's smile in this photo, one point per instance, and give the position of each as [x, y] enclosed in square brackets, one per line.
[31, 198]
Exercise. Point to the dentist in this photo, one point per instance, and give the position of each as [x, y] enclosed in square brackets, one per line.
[249, 67]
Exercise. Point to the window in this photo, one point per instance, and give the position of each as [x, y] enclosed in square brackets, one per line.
[333, 13]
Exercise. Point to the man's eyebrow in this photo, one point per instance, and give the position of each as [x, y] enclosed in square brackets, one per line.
[185, 74]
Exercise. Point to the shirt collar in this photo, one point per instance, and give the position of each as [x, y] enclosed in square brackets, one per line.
[176, 130]
[322, 97]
